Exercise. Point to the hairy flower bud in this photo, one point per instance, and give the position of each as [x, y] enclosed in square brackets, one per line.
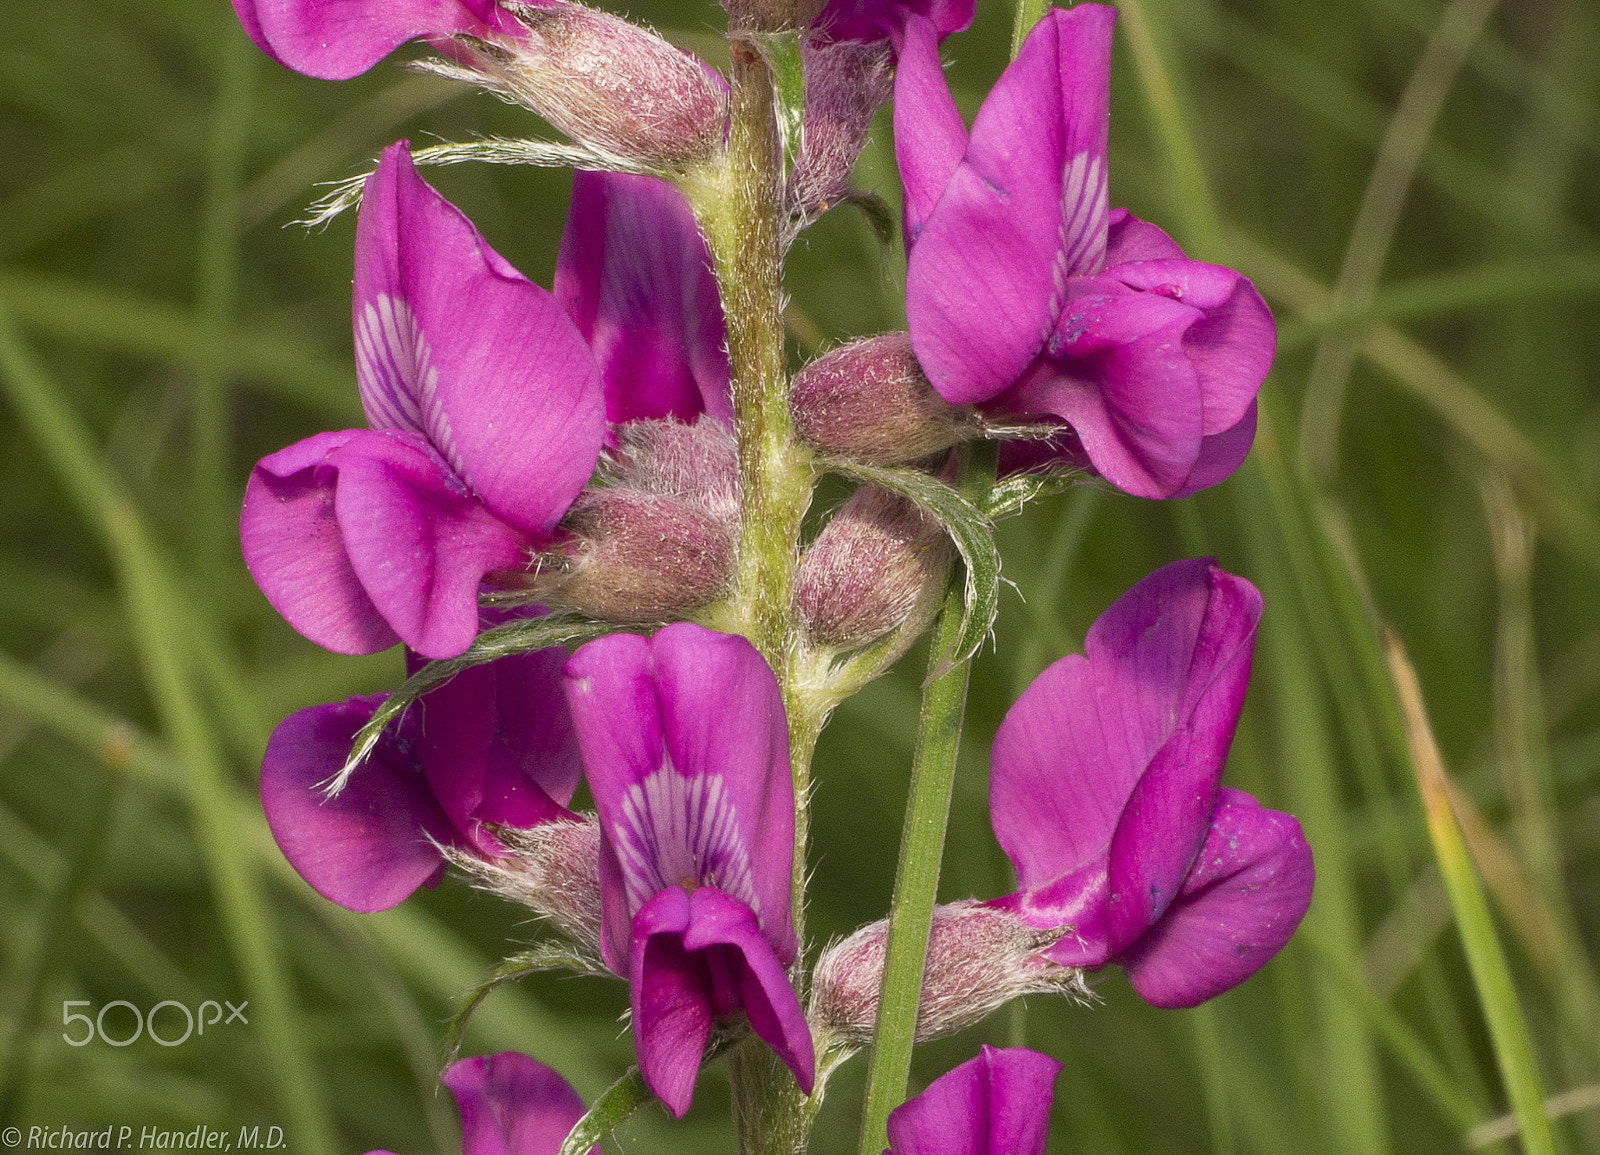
[697, 463]
[846, 83]
[870, 401]
[604, 82]
[770, 15]
[552, 869]
[641, 557]
[877, 563]
[979, 958]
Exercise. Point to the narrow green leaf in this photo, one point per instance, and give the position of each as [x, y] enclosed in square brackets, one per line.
[518, 637]
[544, 956]
[1010, 494]
[973, 534]
[1508, 1030]
[782, 53]
[609, 1112]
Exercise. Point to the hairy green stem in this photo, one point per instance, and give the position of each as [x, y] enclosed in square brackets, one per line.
[739, 205]
[916, 883]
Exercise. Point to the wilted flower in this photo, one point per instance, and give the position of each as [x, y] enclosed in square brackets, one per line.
[995, 1104]
[687, 753]
[1105, 794]
[1028, 297]
[492, 746]
[487, 419]
[511, 1105]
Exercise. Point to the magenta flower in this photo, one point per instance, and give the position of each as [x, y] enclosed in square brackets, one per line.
[511, 1105]
[487, 419]
[492, 745]
[687, 753]
[338, 39]
[1106, 796]
[995, 1104]
[1027, 297]
[886, 19]
[635, 276]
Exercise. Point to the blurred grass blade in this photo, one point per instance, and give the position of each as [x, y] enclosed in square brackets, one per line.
[127, 323]
[1407, 1048]
[1507, 1030]
[1429, 379]
[55, 930]
[157, 620]
[1367, 250]
[431, 957]
[1567, 1103]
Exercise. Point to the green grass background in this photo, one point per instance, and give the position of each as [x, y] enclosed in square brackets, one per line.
[1412, 186]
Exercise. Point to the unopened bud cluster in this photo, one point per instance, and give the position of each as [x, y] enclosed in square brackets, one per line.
[655, 539]
[980, 957]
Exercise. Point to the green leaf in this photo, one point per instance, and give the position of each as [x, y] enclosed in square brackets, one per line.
[781, 50]
[973, 534]
[609, 1112]
[1010, 494]
[544, 956]
[518, 637]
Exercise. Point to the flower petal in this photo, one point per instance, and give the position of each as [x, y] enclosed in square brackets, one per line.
[497, 746]
[635, 276]
[369, 847]
[1249, 889]
[338, 39]
[1230, 347]
[1171, 653]
[455, 345]
[1221, 454]
[1025, 210]
[929, 134]
[512, 1105]
[1130, 239]
[682, 794]
[417, 541]
[995, 1104]
[1116, 371]
[295, 551]
[880, 19]
[723, 924]
[670, 995]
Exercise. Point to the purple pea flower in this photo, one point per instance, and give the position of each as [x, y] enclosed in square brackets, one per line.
[870, 20]
[687, 753]
[635, 276]
[511, 1105]
[492, 745]
[487, 420]
[1105, 794]
[995, 1104]
[338, 39]
[1027, 297]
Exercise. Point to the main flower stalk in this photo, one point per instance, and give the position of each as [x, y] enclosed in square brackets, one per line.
[739, 203]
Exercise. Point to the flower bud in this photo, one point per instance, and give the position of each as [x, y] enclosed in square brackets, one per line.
[698, 463]
[870, 401]
[979, 958]
[641, 557]
[606, 83]
[770, 15]
[877, 563]
[846, 83]
[552, 869]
